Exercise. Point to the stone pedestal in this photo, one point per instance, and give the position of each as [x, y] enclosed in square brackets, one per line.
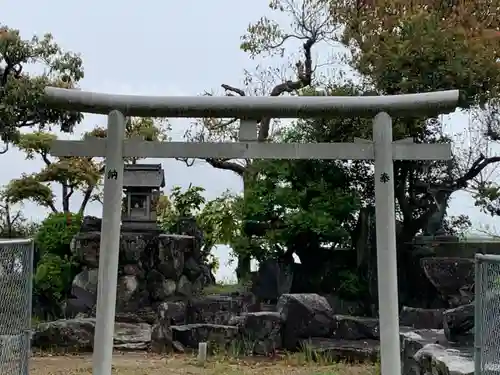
[154, 267]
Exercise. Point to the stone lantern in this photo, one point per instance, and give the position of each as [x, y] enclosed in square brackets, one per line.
[141, 185]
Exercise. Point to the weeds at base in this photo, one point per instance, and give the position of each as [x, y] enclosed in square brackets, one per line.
[233, 359]
[239, 353]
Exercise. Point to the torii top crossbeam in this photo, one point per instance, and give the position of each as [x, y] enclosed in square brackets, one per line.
[407, 105]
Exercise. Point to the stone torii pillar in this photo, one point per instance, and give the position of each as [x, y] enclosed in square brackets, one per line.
[381, 149]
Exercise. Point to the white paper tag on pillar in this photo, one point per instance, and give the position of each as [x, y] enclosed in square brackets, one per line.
[248, 131]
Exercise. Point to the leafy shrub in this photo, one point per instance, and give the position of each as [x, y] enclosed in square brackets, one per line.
[51, 285]
[56, 232]
[53, 276]
[352, 286]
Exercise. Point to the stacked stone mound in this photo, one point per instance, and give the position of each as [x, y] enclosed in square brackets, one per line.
[153, 267]
[432, 340]
[300, 321]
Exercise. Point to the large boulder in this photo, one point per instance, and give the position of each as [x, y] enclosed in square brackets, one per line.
[419, 318]
[188, 226]
[458, 323]
[348, 327]
[159, 287]
[91, 224]
[85, 247]
[426, 351]
[173, 311]
[184, 287]
[161, 336]
[129, 295]
[83, 293]
[345, 307]
[214, 309]
[86, 280]
[304, 316]
[77, 335]
[452, 277]
[218, 336]
[273, 279]
[438, 360]
[133, 247]
[260, 331]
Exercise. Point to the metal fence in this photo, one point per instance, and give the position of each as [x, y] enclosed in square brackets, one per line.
[16, 276]
[487, 315]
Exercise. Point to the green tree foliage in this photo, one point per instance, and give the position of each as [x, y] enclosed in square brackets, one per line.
[219, 219]
[310, 26]
[393, 47]
[52, 282]
[421, 46]
[52, 276]
[70, 174]
[56, 232]
[21, 93]
[488, 197]
[13, 223]
[55, 268]
[424, 46]
[311, 200]
[397, 48]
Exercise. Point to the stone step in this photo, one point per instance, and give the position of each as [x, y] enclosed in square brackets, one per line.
[190, 335]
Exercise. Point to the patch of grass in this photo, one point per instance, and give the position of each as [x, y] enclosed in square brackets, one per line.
[232, 359]
[35, 321]
[147, 364]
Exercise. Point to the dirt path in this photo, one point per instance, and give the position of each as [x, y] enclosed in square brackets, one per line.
[141, 364]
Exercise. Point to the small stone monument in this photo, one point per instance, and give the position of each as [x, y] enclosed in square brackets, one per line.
[141, 185]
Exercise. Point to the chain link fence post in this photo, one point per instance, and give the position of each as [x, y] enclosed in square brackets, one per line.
[16, 283]
[487, 315]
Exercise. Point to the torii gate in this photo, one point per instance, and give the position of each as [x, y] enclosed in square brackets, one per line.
[381, 149]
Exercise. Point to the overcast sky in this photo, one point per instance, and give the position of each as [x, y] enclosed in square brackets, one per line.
[159, 48]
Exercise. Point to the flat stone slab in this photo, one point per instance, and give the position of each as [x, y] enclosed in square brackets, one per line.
[77, 335]
[423, 351]
[343, 350]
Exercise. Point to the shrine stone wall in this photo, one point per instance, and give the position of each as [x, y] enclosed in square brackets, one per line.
[154, 267]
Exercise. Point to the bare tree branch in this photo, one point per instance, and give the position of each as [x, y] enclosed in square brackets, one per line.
[304, 78]
[45, 158]
[311, 23]
[227, 165]
[230, 89]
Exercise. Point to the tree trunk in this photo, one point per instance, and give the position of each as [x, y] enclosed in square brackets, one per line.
[65, 198]
[86, 199]
[243, 269]
[8, 219]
